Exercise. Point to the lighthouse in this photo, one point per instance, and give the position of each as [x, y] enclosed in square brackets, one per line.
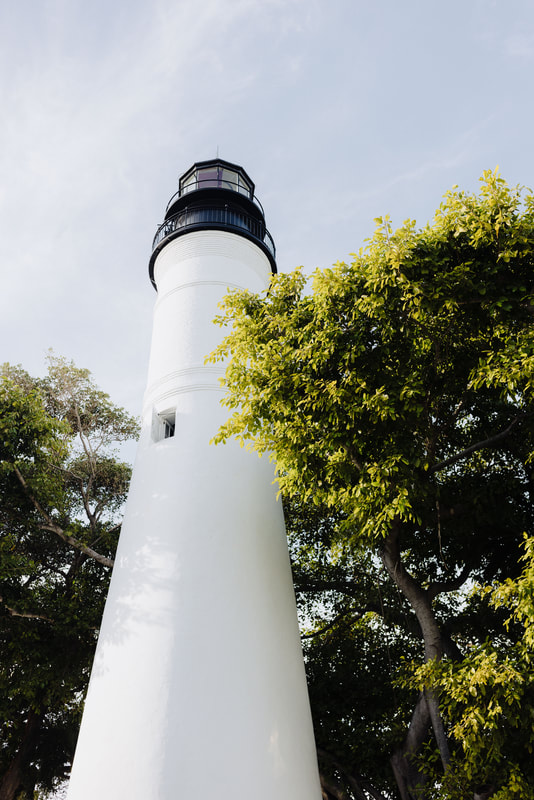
[198, 687]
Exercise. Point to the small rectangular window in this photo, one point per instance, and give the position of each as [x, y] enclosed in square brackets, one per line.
[163, 425]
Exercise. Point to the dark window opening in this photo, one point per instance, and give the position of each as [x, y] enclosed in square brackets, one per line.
[169, 424]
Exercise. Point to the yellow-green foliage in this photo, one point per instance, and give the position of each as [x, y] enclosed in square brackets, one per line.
[364, 388]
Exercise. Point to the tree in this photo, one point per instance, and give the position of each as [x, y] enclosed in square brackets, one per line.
[357, 632]
[398, 396]
[488, 697]
[61, 491]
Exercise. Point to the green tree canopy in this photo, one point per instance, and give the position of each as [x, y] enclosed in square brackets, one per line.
[398, 397]
[62, 487]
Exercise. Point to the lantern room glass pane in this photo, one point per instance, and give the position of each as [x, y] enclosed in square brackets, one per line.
[188, 182]
[216, 176]
[229, 179]
[243, 186]
[208, 178]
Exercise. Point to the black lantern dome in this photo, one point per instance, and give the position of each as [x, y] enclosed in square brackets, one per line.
[214, 195]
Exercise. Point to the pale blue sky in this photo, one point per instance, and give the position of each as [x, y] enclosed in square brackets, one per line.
[340, 110]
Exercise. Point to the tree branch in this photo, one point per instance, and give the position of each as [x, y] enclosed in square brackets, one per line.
[83, 548]
[387, 612]
[85, 497]
[14, 613]
[492, 440]
[438, 587]
[331, 624]
[116, 527]
[53, 528]
[327, 585]
[85, 444]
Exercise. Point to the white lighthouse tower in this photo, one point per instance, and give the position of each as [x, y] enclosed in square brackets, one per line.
[198, 689]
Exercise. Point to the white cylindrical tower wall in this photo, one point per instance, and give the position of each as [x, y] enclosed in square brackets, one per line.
[198, 687]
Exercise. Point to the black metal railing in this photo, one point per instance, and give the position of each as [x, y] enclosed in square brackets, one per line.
[225, 217]
[215, 183]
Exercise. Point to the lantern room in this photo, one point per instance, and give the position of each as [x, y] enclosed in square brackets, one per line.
[214, 195]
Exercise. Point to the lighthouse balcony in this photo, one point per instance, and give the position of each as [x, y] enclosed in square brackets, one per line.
[216, 218]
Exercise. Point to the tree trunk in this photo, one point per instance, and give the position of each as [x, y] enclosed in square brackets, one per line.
[409, 780]
[359, 786]
[14, 778]
[414, 594]
[329, 789]
[420, 602]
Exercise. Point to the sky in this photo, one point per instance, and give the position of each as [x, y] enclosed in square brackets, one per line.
[340, 111]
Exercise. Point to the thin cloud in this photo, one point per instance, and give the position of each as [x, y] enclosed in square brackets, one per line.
[519, 46]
